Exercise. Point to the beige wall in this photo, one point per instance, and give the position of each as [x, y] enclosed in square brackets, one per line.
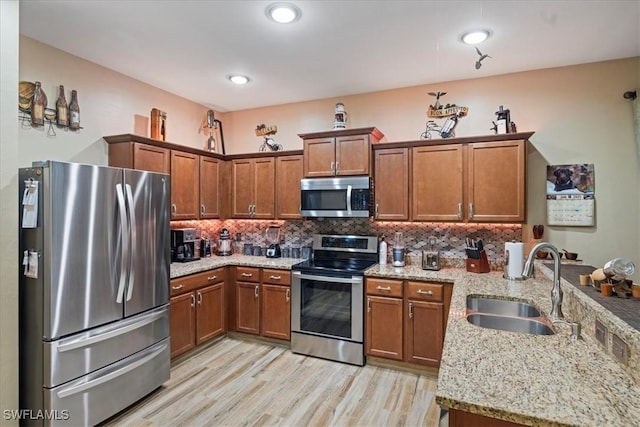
[578, 114]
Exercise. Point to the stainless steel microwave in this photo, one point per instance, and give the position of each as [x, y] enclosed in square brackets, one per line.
[336, 197]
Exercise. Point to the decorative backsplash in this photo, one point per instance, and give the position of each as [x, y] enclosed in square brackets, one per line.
[450, 238]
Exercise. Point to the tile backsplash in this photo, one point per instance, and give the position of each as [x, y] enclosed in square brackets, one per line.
[449, 238]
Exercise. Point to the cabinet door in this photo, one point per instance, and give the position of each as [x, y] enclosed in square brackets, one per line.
[288, 176]
[352, 155]
[209, 188]
[496, 181]
[210, 313]
[242, 172]
[384, 327]
[276, 312]
[264, 188]
[437, 183]
[151, 158]
[182, 323]
[248, 307]
[392, 184]
[185, 174]
[319, 157]
[424, 332]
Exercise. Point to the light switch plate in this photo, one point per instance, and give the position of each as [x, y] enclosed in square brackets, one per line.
[601, 333]
[619, 349]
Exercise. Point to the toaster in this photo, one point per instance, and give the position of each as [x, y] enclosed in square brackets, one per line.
[430, 260]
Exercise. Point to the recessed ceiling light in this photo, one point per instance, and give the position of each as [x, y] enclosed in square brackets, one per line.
[283, 13]
[239, 80]
[475, 37]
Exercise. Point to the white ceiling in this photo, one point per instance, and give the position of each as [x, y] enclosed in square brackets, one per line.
[337, 48]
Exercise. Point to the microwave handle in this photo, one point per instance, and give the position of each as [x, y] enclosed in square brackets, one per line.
[349, 200]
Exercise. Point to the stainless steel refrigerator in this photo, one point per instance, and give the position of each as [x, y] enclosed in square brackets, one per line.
[94, 290]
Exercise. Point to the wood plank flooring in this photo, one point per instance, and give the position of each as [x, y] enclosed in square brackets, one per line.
[244, 383]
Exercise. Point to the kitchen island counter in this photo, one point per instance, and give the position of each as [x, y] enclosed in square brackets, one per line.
[180, 269]
[527, 379]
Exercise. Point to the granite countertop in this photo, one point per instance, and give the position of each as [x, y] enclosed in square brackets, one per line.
[179, 269]
[528, 379]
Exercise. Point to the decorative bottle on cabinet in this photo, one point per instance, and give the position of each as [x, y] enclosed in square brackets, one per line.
[382, 256]
[74, 111]
[62, 110]
[38, 105]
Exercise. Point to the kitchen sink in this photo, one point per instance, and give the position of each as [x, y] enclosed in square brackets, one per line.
[501, 307]
[511, 324]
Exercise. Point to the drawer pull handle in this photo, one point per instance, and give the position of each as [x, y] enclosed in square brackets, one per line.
[383, 288]
[177, 288]
[255, 291]
[288, 295]
[420, 291]
[212, 277]
[368, 305]
[199, 298]
[410, 310]
[247, 274]
[193, 300]
[275, 277]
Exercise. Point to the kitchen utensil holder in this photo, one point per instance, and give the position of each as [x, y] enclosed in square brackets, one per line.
[480, 265]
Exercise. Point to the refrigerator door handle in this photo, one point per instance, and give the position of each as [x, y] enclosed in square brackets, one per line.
[80, 343]
[69, 391]
[123, 236]
[132, 235]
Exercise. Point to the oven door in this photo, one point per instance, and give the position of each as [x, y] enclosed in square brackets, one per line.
[327, 306]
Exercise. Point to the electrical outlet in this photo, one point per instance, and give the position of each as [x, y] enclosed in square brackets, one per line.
[619, 349]
[601, 333]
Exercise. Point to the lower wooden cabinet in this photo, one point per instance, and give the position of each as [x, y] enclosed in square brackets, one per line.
[276, 312]
[459, 418]
[248, 307]
[406, 320]
[197, 310]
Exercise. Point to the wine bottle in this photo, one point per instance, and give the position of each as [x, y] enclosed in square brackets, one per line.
[38, 105]
[74, 111]
[62, 109]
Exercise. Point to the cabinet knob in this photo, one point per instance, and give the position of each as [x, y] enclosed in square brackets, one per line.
[410, 310]
[288, 295]
[202, 209]
[255, 291]
[420, 291]
[337, 167]
[212, 277]
[174, 209]
[333, 168]
[385, 288]
[193, 300]
[199, 298]
[459, 210]
[377, 210]
[275, 277]
[368, 305]
[471, 210]
[177, 288]
[246, 274]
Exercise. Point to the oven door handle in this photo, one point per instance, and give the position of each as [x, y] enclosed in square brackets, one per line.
[353, 280]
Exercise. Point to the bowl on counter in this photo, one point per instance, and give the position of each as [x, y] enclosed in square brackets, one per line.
[542, 254]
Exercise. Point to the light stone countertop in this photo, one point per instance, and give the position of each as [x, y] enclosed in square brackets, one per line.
[528, 379]
[179, 269]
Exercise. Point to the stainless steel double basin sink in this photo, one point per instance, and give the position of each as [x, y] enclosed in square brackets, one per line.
[506, 315]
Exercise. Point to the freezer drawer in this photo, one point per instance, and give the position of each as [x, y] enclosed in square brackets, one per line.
[80, 354]
[101, 394]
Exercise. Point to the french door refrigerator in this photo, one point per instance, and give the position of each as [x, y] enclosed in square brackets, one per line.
[94, 290]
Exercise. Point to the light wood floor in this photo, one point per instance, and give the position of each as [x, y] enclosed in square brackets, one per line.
[244, 383]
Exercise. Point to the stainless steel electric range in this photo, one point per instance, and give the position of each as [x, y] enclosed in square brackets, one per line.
[327, 298]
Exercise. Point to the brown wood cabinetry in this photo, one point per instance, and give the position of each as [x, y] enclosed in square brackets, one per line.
[185, 182]
[152, 159]
[406, 320]
[253, 188]
[210, 179]
[288, 176]
[197, 309]
[477, 182]
[339, 153]
[459, 418]
[263, 302]
[391, 168]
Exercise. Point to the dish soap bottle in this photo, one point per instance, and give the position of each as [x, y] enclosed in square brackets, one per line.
[383, 252]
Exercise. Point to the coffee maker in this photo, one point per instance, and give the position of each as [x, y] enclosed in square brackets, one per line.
[224, 244]
[185, 245]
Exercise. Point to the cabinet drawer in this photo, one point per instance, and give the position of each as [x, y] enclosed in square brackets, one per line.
[276, 277]
[384, 287]
[195, 281]
[425, 291]
[247, 274]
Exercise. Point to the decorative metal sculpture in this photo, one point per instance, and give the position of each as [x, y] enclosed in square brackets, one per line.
[269, 144]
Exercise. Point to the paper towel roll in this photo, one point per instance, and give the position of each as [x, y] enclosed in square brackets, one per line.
[514, 258]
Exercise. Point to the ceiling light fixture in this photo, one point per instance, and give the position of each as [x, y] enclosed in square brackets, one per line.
[475, 37]
[283, 13]
[239, 80]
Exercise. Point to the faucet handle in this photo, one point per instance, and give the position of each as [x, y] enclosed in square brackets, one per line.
[576, 329]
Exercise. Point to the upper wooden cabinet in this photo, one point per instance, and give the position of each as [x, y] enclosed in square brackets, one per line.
[253, 188]
[185, 184]
[288, 176]
[136, 155]
[210, 178]
[339, 153]
[391, 184]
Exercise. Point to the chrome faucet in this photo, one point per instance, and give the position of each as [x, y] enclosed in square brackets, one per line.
[556, 292]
